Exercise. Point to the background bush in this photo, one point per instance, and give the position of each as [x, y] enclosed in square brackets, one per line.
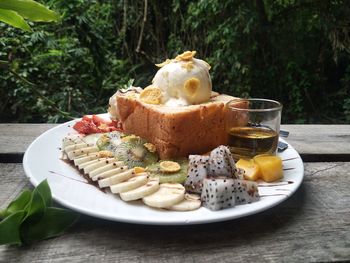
[294, 51]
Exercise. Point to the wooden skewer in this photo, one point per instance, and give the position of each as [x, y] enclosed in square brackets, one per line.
[290, 159]
[275, 184]
[53, 172]
[287, 169]
[273, 195]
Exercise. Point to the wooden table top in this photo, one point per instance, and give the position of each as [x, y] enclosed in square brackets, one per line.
[312, 225]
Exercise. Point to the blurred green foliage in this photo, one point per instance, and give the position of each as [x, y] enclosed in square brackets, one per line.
[294, 51]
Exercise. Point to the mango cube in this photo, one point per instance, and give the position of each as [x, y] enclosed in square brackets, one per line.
[252, 171]
[270, 167]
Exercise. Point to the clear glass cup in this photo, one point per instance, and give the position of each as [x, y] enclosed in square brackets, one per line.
[252, 126]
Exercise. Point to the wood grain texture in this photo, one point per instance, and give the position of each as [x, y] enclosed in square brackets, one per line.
[320, 142]
[311, 226]
[15, 138]
[313, 142]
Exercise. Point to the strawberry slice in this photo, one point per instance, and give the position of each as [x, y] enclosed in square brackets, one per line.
[82, 127]
[86, 127]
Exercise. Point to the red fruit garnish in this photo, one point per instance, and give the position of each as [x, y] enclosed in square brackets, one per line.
[95, 124]
[82, 127]
[87, 118]
[98, 120]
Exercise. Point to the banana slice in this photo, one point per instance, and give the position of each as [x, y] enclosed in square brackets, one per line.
[76, 146]
[167, 195]
[132, 183]
[191, 202]
[100, 163]
[109, 173]
[87, 154]
[71, 139]
[149, 188]
[81, 151]
[85, 158]
[83, 165]
[116, 179]
[105, 168]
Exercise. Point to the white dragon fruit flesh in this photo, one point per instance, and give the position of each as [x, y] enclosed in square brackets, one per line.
[221, 163]
[218, 193]
[197, 171]
[246, 192]
[221, 192]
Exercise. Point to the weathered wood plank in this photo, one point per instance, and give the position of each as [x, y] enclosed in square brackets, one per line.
[320, 142]
[15, 138]
[312, 226]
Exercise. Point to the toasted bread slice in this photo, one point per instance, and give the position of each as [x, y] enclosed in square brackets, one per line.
[176, 131]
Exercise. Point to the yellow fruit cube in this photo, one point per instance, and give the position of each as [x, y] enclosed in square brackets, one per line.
[252, 171]
[270, 167]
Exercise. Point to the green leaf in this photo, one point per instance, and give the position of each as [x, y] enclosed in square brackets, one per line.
[30, 9]
[44, 189]
[29, 218]
[51, 224]
[18, 204]
[36, 206]
[10, 228]
[13, 19]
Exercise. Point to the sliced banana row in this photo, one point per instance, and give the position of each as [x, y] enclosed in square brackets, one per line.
[109, 172]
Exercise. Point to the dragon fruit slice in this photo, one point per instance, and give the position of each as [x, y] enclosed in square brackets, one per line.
[218, 193]
[246, 192]
[197, 171]
[221, 192]
[221, 162]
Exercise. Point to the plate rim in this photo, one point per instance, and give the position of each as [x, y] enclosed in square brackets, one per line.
[82, 210]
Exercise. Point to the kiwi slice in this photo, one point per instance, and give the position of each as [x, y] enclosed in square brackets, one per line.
[166, 177]
[134, 153]
[91, 138]
[108, 141]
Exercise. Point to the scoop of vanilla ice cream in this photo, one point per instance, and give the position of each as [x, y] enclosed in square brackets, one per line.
[184, 82]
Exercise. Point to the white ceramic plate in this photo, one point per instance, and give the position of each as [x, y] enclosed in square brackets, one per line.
[42, 161]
